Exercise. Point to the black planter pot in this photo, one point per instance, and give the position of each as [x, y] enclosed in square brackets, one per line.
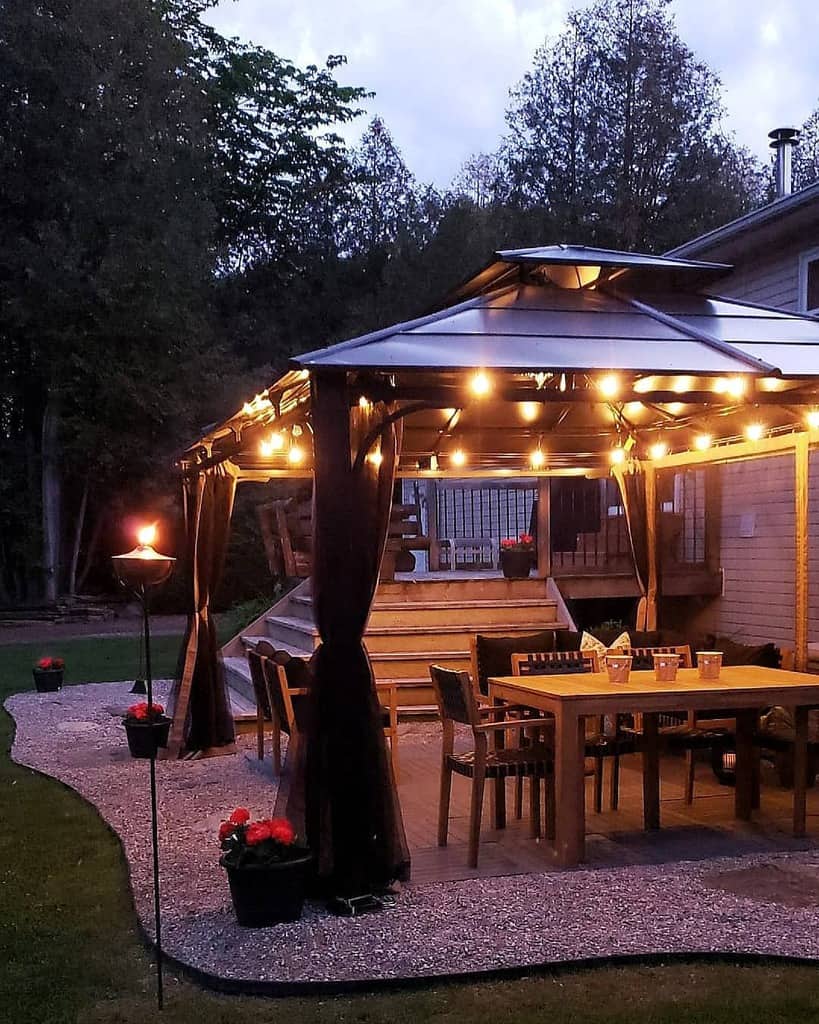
[145, 738]
[271, 894]
[48, 680]
[516, 565]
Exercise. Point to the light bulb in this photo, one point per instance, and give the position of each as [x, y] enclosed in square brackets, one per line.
[617, 456]
[375, 458]
[813, 418]
[609, 385]
[754, 431]
[272, 444]
[529, 410]
[458, 457]
[537, 459]
[295, 455]
[364, 402]
[658, 450]
[702, 442]
[480, 385]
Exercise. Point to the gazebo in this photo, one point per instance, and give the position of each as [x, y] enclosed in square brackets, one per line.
[561, 360]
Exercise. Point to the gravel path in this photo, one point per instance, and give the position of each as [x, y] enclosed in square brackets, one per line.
[702, 906]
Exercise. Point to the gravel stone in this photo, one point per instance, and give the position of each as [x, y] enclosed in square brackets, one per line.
[76, 736]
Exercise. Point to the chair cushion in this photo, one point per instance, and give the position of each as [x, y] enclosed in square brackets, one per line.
[493, 654]
[767, 655]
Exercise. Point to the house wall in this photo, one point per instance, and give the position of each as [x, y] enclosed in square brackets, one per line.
[757, 519]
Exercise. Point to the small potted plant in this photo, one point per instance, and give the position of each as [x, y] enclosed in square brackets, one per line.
[267, 868]
[48, 674]
[517, 556]
[146, 727]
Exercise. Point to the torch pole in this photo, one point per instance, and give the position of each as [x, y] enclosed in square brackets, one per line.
[154, 820]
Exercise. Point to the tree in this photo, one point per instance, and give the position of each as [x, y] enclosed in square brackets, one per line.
[806, 154]
[611, 128]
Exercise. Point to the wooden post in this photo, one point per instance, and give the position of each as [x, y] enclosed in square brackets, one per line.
[651, 540]
[544, 528]
[800, 604]
[431, 492]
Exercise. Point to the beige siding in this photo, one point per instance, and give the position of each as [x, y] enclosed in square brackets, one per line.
[757, 604]
[769, 277]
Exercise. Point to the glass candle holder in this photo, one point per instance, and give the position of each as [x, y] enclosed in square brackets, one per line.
[618, 667]
[665, 667]
[709, 664]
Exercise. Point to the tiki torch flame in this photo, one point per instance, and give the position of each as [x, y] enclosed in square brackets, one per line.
[146, 535]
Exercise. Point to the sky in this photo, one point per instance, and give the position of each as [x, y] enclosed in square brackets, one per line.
[441, 71]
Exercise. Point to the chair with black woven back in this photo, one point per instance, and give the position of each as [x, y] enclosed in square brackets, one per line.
[458, 705]
[601, 742]
[681, 731]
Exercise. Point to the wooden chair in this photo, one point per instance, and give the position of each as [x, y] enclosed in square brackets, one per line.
[265, 710]
[288, 704]
[287, 533]
[263, 713]
[457, 704]
[600, 742]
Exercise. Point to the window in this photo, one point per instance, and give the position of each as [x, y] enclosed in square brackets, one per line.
[809, 281]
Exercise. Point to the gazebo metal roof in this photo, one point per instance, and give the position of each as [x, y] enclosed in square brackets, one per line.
[683, 362]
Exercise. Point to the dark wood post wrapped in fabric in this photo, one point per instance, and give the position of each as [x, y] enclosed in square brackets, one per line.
[202, 718]
[352, 816]
[638, 490]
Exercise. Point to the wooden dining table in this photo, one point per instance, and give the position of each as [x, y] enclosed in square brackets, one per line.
[571, 698]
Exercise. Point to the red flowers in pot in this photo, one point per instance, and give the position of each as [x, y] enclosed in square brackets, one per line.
[517, 556]
[266, 866]
[48, 674]
[147, 728]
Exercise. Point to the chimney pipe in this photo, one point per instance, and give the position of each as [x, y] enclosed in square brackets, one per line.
[782, 142]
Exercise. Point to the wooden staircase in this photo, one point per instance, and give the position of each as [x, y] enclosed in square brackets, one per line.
[413, 624]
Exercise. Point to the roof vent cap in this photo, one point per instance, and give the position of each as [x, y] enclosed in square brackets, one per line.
[782, 142]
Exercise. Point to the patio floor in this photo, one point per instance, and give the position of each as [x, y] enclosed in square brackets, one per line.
[701, 885]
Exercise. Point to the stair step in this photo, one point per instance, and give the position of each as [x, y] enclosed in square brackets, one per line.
[292, 649]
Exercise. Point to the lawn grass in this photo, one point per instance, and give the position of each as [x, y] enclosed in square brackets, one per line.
[70, 953]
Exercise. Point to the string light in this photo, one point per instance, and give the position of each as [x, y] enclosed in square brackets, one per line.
[364, 402]
[537, 459]
[617, 456]
[702, 442]
[609, 386]
[458, 457]
[295, 455]
[529, 410]
[274, 443]
[754, 431]
[480, 385]
[658, 450]
[375, 458]
[734, 387]
[813, 418]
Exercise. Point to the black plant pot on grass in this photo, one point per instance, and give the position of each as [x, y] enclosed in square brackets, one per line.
[48, 680]
[145, 738]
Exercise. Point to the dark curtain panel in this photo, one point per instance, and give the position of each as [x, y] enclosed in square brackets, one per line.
[633, 491]
[352, 818]
[202, 716]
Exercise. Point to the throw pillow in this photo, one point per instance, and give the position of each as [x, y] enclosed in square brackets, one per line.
[589, 642]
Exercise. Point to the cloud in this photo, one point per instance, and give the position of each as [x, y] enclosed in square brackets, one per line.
[442, 71]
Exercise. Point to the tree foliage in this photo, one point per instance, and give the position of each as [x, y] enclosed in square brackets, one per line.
[615, 123]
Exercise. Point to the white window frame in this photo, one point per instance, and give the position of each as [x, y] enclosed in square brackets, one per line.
[806, 258]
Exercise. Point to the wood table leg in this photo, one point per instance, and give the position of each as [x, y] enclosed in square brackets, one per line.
[570, 810]
[800, 770]
[651, 772]
[744, 791]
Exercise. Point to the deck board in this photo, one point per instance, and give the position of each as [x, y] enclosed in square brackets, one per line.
[704, 829]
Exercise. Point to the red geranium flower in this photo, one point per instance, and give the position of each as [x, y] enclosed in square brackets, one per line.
[281, 831]
[157, 709]
[526, 538]
[226, 829]
[241, 816]
[507, 542]
[257, 833]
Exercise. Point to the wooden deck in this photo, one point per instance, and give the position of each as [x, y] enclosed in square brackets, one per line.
[615, 838]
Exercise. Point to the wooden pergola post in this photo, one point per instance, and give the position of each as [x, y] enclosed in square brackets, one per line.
[544, 528]
[802, 548]
[651, 540]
